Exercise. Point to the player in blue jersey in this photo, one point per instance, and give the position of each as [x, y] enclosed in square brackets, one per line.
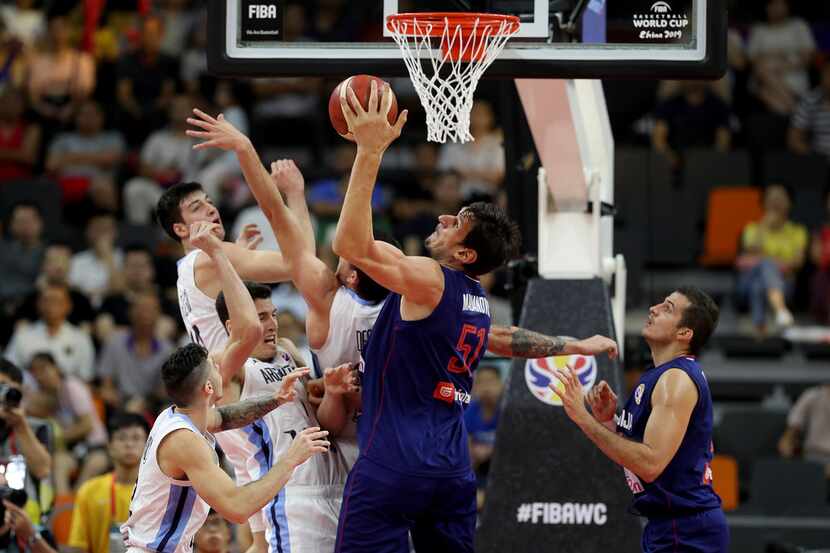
[413, 474]
[663, 436]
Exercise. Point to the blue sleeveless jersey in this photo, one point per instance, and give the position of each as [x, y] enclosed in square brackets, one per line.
[685, 486]
[417, 382]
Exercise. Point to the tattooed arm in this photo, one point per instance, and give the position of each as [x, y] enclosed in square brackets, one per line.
[514, 341]
[243, 413]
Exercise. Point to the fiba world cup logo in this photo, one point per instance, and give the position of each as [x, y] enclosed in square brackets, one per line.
[539, 374]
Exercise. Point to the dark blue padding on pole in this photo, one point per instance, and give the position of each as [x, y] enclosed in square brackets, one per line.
[541, 457]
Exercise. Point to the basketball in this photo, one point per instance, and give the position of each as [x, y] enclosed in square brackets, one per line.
[361, 85]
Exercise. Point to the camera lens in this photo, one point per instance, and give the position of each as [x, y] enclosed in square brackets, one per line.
[12, 398]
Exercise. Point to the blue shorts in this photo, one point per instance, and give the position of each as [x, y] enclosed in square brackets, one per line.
[382, 507]
[705, 532]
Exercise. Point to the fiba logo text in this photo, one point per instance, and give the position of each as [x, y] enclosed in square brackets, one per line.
[539, 375]
[661, 23]
[262, 11]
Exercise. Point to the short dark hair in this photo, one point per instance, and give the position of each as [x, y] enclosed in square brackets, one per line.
[11, 370]
[44, 356]
[366, 287]
[494, 237]
[184, 373]
[701, 316]
[121, 421]
[258, 292]
[168, 212]
[137, 248]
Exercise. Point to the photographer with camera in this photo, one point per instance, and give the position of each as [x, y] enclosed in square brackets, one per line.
[18, 534]
[25, 464]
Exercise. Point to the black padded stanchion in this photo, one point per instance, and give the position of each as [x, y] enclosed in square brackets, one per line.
[549, 487]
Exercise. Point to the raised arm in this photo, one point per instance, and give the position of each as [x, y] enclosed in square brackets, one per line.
[190, 454]
[255, 265]
[513, 341]
[245, 332]
[220, 133]
[673, 400]
[418, 279]
[243, 413]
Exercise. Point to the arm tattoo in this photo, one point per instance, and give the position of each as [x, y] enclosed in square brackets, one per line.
[531, 345]
[243, 413]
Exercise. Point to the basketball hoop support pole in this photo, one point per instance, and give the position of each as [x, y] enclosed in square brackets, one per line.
[572, 132]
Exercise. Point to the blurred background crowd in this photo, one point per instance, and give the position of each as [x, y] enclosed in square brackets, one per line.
[93, 102]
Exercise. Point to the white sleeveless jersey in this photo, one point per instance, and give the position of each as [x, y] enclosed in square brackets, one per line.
[351, 319]
[165, 513]
[198, 310]
[302, 518]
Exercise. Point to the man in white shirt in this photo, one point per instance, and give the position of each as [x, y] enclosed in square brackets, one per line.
[96, 271]
[70, 346]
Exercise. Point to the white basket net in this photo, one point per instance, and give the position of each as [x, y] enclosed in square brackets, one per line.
[446, 77]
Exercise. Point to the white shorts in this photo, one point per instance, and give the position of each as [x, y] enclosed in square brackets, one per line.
[303, 519]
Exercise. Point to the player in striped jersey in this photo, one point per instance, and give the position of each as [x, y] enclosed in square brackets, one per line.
[179, 477]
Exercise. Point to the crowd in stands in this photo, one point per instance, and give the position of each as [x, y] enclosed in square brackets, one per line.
[92, 120]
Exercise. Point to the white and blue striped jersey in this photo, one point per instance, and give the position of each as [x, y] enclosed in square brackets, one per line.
[165, 513]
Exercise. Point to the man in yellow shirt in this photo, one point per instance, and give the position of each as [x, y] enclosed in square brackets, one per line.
[103, 503]
[214, 536]
[774, 250]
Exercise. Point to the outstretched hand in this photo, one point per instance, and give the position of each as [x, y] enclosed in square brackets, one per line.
[205, 236]
[341, 379]
[595, 345]
[216, 132]
[287, 392]
[287, 177]
[571, 394]
[603, 402]
[370, 127]
[250, 237]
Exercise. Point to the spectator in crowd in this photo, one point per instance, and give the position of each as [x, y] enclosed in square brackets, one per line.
[325, 196]
[67, 400]
[139, 280]
[11, 58]
[694, 118]
[820, 255]
[19, 138]
[21, 254]
[194, 60]
[97, 270]
[21, 434]
[808, 428]
[773, 251]
[780, 51]
[60, 76]
[19, 532]
[481, 162]
[482, 418]
[444, 195]
[103, 503]
[55, 272]
[70, 346]
[167, 157]
[86, 160]
[178, 20]
[223, 166]
[146, 84]
[24, 21]
[810, 126]
[131, 360]
[214, 536]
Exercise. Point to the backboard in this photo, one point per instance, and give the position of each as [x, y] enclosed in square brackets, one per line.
[557, 38]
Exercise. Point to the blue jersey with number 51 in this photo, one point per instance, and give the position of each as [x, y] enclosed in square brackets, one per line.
[418, 378]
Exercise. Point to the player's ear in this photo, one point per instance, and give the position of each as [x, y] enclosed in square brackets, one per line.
[352, 278]
[181, 230]
[228, 327]
[466, 256]
[685, 334]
